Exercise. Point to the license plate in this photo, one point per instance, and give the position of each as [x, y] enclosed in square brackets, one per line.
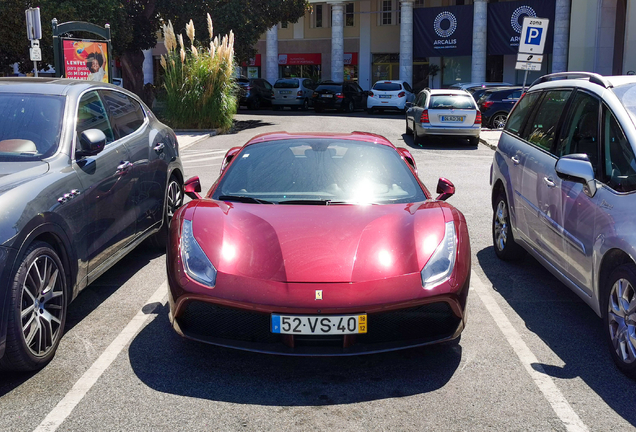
[326, 95]
[285, 92]
[452, 118]
[319, 325]
[384, 96]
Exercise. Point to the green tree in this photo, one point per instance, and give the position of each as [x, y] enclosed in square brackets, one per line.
[135, 25]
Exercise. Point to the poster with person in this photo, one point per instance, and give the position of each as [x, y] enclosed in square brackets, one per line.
[85, 60]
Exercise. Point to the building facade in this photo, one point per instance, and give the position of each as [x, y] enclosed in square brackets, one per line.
[441, 42]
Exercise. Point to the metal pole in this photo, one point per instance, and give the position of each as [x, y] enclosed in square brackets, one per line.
[35, 68]
[525, 77]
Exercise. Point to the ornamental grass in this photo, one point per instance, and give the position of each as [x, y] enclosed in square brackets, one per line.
[200, 90]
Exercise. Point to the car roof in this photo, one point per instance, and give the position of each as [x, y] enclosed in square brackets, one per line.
[448, 92]
[47, 86]
[353, 136]
[388, 81]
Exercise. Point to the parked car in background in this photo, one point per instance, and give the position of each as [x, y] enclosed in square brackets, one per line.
[441, 112]
[474, 86]
[347, 96]
[358, 279]
[564, 189]
[496, 103]
[87, 172]
[254, 92]
[389, 95]
[294, 93]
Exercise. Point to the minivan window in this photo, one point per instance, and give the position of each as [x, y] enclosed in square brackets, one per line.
[619, 169]
[287, 83]
[517, 117]
[580, 129]
[542, 128]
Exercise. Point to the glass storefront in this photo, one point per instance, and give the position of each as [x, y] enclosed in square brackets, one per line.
[312, 72]
[456, 70]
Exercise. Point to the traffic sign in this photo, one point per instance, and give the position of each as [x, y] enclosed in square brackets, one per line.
[528, 66]
[531, 58]
[533, 35]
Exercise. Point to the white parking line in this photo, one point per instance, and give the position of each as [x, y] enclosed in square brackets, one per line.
[64, 408]
[549, 389]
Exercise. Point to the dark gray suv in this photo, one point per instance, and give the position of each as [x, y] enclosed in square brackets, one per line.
[564, 190]
[87, 172]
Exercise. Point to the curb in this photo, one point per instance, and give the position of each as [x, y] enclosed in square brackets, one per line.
[204, 137]
[487, 144]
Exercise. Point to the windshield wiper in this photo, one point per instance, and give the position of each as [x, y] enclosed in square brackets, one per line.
[243, 199]
[318, 202]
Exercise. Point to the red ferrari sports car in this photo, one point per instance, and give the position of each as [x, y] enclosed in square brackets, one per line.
[318, 244]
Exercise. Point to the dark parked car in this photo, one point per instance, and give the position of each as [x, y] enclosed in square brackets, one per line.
[346, 96]
[87, 172]
[495, 104]
[254, 92]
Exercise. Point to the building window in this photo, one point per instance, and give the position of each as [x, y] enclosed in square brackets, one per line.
[349, 17]
[387, 12]
[419, 3]
[320, 16]
[284, 24]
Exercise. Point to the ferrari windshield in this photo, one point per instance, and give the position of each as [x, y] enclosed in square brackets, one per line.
[319, 170]
[30, 126]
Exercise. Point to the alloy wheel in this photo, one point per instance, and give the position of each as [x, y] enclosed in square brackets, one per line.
[499, 121]
[501, 225]
[42, 305]
[175, 197]
[622, 320]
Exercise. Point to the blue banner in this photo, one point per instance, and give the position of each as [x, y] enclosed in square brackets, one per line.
[506, 18]
[443, 31]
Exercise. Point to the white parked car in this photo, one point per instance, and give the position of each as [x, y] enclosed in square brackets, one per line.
[389, 95]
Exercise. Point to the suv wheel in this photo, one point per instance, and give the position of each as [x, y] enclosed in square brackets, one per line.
[38, 300]
[409, 131]
[498, 121]
[619, 317]
[174, 200]
[305, 105]
[505, 246]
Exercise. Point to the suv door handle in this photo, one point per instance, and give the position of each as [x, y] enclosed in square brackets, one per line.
[549, 182]
[515, 160]
[159, 148]
[124, 167]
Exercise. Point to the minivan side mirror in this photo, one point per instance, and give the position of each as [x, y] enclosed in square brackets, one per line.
[445, 189]
[90, 143]
[577, 168]
[192, 187]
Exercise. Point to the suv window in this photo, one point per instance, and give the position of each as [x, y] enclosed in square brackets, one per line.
[580, 129]
[421, 100]
[619, 170]
[407, 87]
[517, 117]
[266, 84]
[307, 84]
[542, 128]
[125, 113]
[515, 94]
[91, 114]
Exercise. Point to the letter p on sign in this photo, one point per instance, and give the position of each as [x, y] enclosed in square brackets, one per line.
[533, 36]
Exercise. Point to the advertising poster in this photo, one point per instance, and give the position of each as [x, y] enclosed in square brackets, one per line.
[85, 60]
[505, 20]
[443, 32]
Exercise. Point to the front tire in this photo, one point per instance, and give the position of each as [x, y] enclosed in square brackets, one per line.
[174, 200]
[37, 312]
[619, 317]
[503, 240]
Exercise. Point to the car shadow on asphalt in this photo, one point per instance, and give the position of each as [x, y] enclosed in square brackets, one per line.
[439, 143]
[90, 299]
[241, 125]
[166, 362]
[567, 325]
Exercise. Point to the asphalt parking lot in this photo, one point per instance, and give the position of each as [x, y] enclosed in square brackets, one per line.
[532, 356]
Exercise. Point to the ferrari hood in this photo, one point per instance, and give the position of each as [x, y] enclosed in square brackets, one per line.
[309, 243]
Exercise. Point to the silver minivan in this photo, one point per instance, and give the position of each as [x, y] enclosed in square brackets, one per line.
[564, 189]
[293, 92]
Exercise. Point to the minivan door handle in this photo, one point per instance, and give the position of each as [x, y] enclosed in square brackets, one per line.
[549, 182]
[515, 160]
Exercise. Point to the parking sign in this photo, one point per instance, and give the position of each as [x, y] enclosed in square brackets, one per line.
[533, 35]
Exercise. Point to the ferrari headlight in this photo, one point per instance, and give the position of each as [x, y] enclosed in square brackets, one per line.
[440, 266]
[196, 263]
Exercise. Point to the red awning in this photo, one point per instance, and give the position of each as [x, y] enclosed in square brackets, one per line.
[299, 59]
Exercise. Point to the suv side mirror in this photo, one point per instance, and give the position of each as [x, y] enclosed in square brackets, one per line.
[445, 189]
[192, 187]
[577, 168]
[90, 143]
